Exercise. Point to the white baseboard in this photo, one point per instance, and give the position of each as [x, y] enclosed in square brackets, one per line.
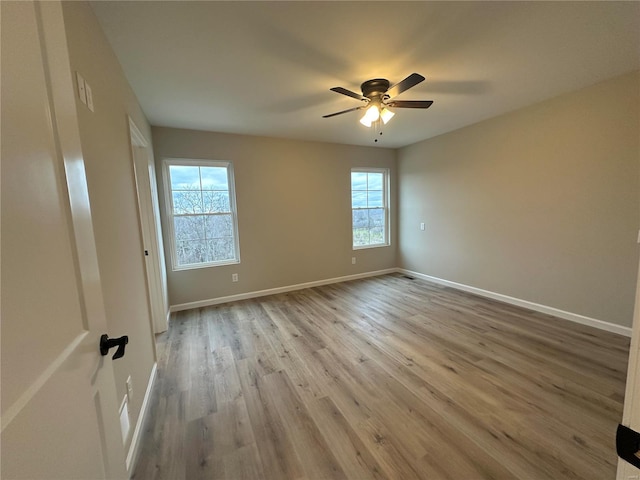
[273, 291]
[574, 317]
[132, 455]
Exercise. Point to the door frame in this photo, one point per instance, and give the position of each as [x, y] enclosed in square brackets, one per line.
[151, 234]
[631, 413]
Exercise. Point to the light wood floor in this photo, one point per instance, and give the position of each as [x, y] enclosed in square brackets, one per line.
[385, 377]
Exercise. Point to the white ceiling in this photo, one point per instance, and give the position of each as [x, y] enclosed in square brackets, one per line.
[265, 68]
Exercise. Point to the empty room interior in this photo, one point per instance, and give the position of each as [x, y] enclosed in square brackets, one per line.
[320, 240]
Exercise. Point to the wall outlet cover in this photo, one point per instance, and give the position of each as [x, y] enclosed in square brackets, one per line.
[82, 93]
[129, 388]
[89, 94]
[125, 425]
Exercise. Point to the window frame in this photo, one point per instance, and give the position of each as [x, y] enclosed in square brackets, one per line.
[166, 164]
[386, 172]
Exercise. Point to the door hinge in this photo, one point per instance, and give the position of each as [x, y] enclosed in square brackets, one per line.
[628, 445]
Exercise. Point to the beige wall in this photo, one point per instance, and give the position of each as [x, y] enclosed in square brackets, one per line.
[294, 211]
[541, 204]
[106, 148]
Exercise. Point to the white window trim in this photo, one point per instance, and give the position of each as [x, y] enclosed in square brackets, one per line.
[169, 209]
[385, 196]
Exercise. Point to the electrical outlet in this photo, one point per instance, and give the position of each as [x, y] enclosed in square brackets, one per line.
[89, 96]
[125, 424]
[82, 93]
[129, 388]
[234, 277]
[353, 260]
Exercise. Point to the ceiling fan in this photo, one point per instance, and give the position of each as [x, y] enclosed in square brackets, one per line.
[378, 97]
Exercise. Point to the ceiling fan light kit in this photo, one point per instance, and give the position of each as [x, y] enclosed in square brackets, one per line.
[374, 114]
[386, 115]
[371, 115]
[378, 96]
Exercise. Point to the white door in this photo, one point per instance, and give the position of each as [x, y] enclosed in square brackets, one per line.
[631, 415]
[146, 190]
[59, 408]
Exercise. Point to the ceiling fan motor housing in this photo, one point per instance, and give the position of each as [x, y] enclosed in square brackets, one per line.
[375, 88]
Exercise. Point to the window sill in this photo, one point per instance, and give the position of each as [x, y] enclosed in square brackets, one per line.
[204, 265]
[363, 247]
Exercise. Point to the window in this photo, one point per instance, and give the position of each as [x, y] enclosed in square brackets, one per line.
[370, 207]
[202, 213]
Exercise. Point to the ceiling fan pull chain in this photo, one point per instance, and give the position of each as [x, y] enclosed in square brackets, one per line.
[377, 130]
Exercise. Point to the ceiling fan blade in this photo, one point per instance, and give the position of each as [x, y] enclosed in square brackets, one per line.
[410, 103]
[344, 111]
[348, 93]
[411, 81]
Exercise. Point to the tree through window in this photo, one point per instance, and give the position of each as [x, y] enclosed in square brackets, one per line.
[201, 208]
[369, 207]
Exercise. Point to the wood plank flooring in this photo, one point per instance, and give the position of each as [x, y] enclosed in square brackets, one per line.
[382, 378]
